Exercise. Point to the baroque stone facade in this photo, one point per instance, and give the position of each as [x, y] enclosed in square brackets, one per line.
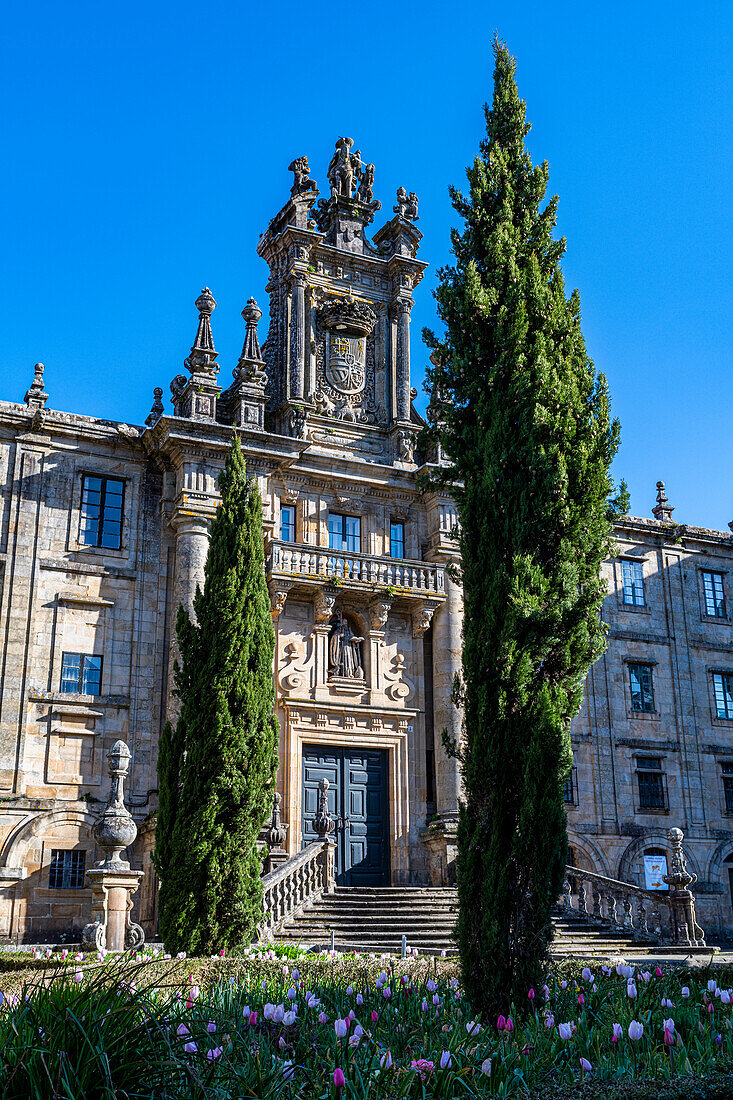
[104, 531]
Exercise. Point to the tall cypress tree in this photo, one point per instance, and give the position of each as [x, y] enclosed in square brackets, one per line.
[524, 419]
[216, 768]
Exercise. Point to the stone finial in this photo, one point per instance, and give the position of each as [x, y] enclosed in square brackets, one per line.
[323, 822]
[156, 409]
[35, 397]
[277, 832]
[251, 362]
[203, 353]
[686, 931]
[115, 830]
[664, 509]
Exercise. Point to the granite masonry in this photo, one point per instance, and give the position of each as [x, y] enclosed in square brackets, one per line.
[104, 532]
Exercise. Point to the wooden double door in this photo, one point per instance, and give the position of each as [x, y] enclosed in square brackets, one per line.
[358, 802]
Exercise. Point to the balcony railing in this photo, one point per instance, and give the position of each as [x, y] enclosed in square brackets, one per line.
[316, 564]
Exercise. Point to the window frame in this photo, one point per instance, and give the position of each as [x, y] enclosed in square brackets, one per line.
[633, 564]
[572, 779]
[392, 524]
[58, 874]
[656, 771]
[713, 616]
[103, 478]
[649, 665]
[290, 510]
[344, 548]
[726, 692]
[83, 657]
[726, 777]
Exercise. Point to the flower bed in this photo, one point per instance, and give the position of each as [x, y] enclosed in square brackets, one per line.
[348, 1028]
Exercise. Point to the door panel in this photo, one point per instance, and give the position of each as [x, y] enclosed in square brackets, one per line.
[358, 791]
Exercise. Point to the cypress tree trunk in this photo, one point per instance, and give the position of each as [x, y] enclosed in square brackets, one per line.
[524, 420]
[216, 772]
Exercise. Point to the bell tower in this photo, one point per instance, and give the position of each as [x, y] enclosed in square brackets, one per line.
[338, 351]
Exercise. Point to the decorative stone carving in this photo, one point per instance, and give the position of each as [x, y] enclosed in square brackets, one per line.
[195, 398]
[378, 614]
[293, 676]
[366, 187]
[344, 650]
[422, 619]
[36, 397]
[278, 598]
[686, 929]
[203, 353]
[399, 687]
[277, 832]
[406, 445]
[406, 205]
[111, 880]
[348, 314]
[156, 409]
[301, 181]
[343, 169]
[323, 606]
[298, 422]
[249, 367]
[323, 822]
[664, 509]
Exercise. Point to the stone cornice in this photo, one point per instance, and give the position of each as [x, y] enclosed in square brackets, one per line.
[669, 535]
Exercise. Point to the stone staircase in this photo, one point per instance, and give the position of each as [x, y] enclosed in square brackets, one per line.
[376, 918]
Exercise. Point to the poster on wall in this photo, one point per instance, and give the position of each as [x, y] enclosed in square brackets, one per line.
[655, 868]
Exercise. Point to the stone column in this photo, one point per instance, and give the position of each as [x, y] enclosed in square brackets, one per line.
[403, 306]
[447, 653]
[192, 548]
[297, 338]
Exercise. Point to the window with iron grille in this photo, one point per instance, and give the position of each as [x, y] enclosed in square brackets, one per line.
[714, 593]
[650, 778]
[723, 686]
[67, 869]
[642, 688]
[101, 512]
[344, 533]
[81, 674]
[396, 540]
[287, 523]
[632, 575]
[727, 771]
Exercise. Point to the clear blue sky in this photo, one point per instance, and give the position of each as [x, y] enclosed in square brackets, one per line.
[146, 148]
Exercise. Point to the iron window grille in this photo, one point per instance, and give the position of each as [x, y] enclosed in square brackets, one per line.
[727, 776]
[287, 523]
[396, 540]
[81, 674]
[344, 533]
[102, 501]
[67, 869]
[642, 688]
[632, 575]
[714, 594]
[651, 783]
[723, 687]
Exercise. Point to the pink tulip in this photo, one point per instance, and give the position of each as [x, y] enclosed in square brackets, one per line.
[531, 994]
[338, 1078]
[581, 999]
[668, 1038]
[657, 973]
[509, 1024]
[374, 1017]
[252, 1019]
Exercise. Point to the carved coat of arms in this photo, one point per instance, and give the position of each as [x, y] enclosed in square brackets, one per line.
[345, 363]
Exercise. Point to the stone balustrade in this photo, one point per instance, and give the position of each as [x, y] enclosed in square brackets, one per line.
[291, 561]
[295, 885]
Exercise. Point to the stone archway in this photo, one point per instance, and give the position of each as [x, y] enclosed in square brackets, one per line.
[588, 855]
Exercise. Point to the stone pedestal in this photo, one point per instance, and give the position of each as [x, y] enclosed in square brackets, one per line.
[440, 841]
[685, 929]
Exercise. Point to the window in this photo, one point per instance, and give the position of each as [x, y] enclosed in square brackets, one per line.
[101, 512]
[344, 533]
[81, 674]
[396, 540]
[642, 688]
[568, 788]
[632, 575]
[287, 523]
[714, 593]
[723, 685]
[727, 770]
[67, 869]
[650, 777]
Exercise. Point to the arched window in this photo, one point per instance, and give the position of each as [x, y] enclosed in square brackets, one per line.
[729, 863]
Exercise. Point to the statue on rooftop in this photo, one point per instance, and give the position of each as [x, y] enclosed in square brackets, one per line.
[406, 205]
[302, 181]
[343, 169]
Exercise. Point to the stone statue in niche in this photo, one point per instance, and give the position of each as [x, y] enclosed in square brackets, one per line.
[344, 650]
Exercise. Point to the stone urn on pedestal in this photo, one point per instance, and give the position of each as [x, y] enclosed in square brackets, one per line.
[111, 880]
[686, 931]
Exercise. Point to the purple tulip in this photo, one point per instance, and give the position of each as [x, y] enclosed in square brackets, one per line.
[338, 1078]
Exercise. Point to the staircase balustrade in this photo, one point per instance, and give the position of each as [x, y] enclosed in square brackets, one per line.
[296, 884]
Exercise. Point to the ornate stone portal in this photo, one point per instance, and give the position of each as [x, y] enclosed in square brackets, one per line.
[112, 881]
